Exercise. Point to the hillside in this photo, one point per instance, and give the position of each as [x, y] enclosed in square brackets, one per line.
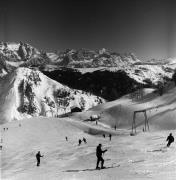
[161, 111]
[111, 83]
[109, 74]
[26, 93]
[143, 156]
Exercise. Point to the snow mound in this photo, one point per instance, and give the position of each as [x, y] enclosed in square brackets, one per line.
[26, 93]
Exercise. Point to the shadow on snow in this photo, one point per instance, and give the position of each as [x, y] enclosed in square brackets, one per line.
[92, 169]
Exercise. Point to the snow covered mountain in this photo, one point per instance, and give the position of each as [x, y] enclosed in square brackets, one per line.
[109, 75]
[22, 54]
[13, 55]
[27, 93]
[84, 58]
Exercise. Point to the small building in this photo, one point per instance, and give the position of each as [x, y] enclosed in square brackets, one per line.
[75, 109]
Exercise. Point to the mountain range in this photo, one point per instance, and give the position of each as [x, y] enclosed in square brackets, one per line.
[38, 83]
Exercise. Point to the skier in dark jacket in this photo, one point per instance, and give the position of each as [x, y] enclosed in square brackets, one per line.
[79, 142]
[38, 156]
[170, 139]
[99, 153]
[110, 137]
[115, 127]
[84, 139]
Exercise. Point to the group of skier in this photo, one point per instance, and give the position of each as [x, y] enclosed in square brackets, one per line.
[110, 136]
[80, 141]
[100, 152]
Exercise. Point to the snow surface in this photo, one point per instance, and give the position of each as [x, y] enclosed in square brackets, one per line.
[143, 156]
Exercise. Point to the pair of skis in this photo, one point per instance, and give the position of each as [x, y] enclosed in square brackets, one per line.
[114, 165]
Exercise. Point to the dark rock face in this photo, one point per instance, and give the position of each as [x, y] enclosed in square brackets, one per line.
[109, 85]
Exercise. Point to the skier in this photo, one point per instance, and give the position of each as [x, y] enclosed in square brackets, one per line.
[99, 153]
[38, 156]
[66, 138]
[170, 139]
[115, 127]
[1, 144]
[84, 139]
[79, 142]
[110, 137]
[104, 135]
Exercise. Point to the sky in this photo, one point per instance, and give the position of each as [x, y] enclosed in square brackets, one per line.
[144, 27]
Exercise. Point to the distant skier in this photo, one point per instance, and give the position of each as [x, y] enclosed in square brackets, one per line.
[99, 153]
[170, 139]
[104, 135]
[84, 139]
[38, 156]
[115, 127]
[79, 142]
[66, 138]
[7, 129]
[110, 137]
[4, 129]
[1, 144]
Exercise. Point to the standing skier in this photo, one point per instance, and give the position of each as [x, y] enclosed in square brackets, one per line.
[110, 137]
[79, 142]
[84, 139]
[115, 127]
[99, 153]
[38, 156]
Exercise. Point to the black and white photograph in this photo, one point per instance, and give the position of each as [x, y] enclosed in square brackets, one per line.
[87, 89]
